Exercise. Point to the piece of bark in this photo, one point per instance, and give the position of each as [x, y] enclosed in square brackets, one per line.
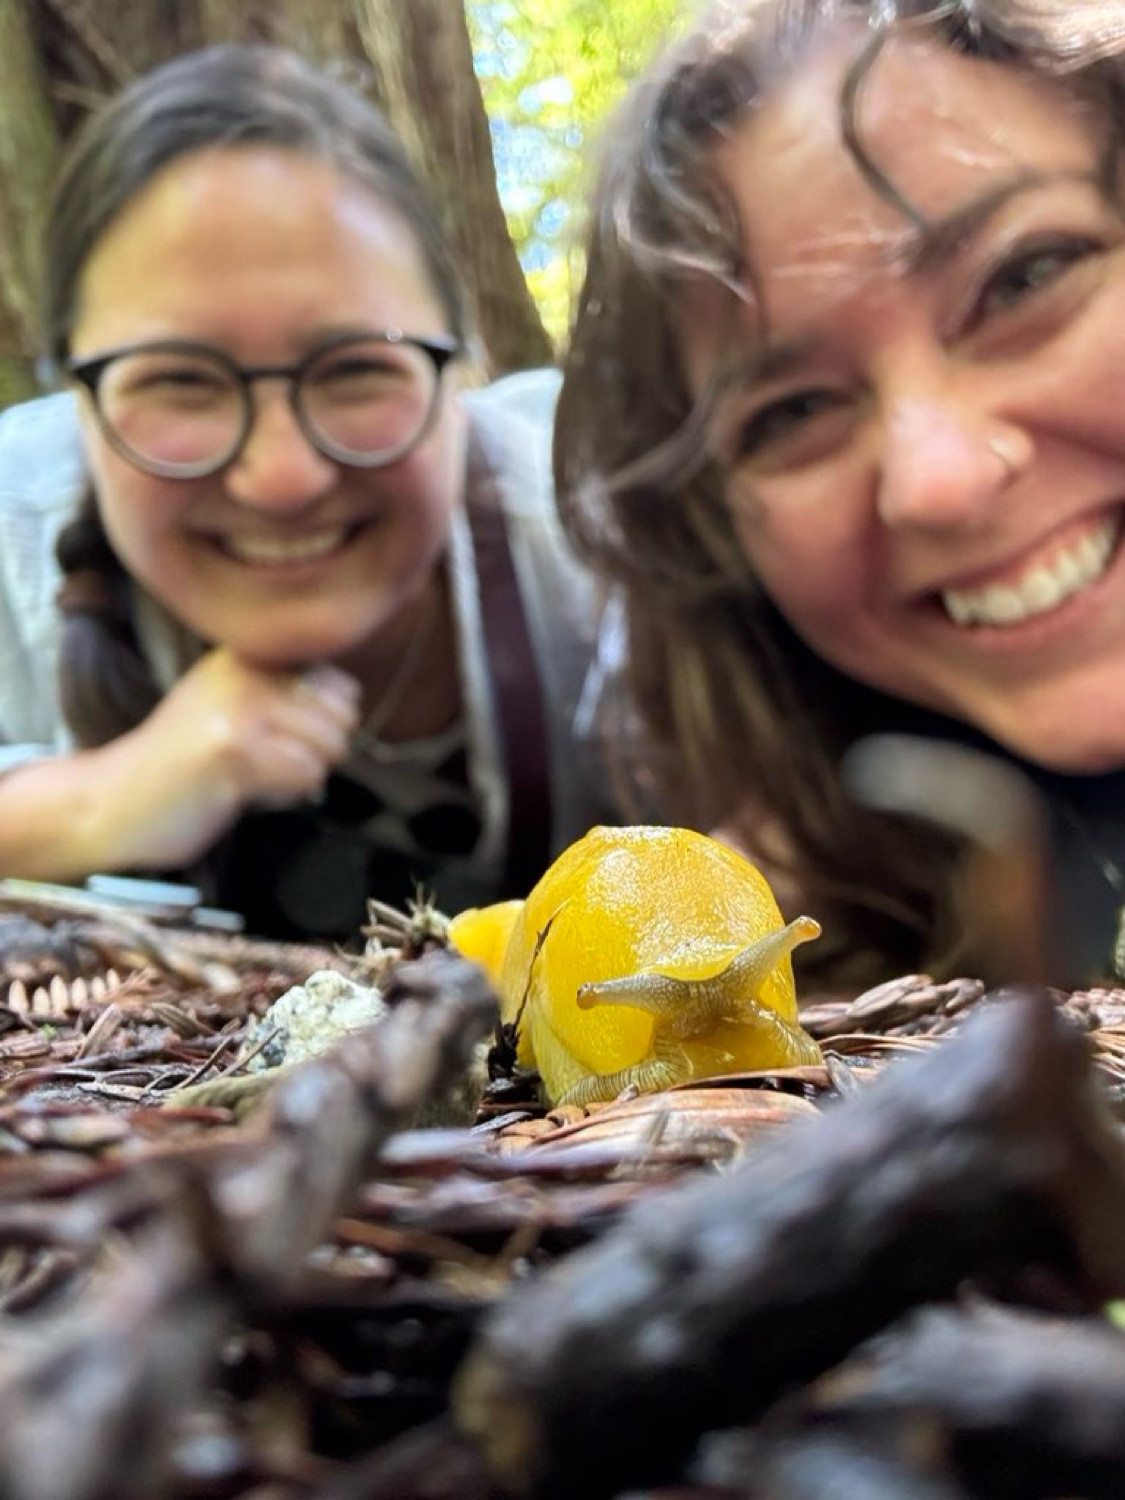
[431, 1463]
[323, 1124]
[93, 1399]
[1028, 1405]
[991, 1153]
[823, 1463]
[92, 1402]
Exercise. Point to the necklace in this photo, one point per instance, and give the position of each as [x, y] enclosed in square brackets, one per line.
[367, 738]
[1113, 876]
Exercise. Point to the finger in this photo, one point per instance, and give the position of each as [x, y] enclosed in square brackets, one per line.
[326, 691]
[319, 731]
[966, 791]
[998, 812]
[293, 772]
[328, 684]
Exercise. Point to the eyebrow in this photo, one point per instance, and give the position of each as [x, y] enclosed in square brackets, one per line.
[938, 241]
[935, 243]
[327, 333]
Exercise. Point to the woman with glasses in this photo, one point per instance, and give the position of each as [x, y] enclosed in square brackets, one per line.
[279, 605]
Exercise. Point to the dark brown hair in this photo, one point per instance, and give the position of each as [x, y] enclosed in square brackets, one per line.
[231, 95]
[739, 719]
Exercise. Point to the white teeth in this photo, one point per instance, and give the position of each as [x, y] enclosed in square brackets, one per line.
[1042, 588]
[275, 550]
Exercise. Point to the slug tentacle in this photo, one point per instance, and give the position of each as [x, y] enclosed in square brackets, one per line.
[666, 1065]
[692, 1007]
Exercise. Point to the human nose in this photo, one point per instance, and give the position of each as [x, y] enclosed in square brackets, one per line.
[943, 466]
[277, 467]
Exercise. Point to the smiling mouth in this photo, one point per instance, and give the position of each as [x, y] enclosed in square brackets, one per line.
[278, 552]
[1042, 588]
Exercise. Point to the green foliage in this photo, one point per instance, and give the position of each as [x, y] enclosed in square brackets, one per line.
[551, 72]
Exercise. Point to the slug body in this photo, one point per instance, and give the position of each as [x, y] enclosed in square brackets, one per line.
[644, 957]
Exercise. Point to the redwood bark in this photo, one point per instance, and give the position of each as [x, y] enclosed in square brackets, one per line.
[423, 56]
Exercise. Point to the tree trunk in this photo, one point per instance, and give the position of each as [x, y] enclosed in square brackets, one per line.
[423, 56]
[28, 148]
[325, 31]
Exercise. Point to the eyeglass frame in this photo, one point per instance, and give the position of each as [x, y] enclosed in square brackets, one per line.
[88, 372]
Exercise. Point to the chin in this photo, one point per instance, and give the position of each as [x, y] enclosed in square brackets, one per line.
[290, 651]
[294, 658]
[1086, 754]
[1085, 760]
[283, 643]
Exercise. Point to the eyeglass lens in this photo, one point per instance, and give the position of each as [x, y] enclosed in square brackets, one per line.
[175, 409]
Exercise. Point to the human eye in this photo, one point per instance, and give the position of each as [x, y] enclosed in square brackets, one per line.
[353, 367]
[370, 369]
[792, 430]
[171, 377]
[1031, 274]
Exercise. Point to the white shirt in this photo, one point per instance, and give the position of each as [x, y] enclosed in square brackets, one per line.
[42, 481]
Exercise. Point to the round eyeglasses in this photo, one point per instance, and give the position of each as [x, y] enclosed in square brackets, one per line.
[182, 410]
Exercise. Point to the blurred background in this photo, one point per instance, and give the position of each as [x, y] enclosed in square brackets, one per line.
[497, 101]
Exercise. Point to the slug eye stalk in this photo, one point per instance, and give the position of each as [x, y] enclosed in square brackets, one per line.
[692, 1007]
[686, 1009]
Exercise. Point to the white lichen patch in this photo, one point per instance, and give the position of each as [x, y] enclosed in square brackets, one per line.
[310, 1017]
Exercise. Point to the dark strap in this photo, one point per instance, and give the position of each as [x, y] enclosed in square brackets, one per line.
[515, 681]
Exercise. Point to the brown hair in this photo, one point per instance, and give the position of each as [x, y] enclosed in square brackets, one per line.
[230, 95]
[735, 711]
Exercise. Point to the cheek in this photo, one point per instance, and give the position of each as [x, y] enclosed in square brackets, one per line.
[135, 512]
[142, 519]
[809, 558]
[432, 478]
[1090, 388]
[1077, 389]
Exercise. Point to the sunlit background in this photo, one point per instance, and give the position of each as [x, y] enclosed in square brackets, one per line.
[551, 72]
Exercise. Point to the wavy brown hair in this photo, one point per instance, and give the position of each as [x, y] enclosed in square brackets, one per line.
[227, 95]
[739, 720]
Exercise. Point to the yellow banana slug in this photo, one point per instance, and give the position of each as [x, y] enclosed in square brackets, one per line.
[644, 957]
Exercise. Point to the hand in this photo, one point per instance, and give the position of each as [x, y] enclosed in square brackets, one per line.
[1000, 814]
[228, 736]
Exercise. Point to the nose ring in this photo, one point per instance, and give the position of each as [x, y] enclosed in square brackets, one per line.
[999, 448]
